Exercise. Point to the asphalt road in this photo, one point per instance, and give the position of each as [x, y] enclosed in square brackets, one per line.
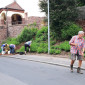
[23, 72]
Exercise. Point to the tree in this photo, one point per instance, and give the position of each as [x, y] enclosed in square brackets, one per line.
[43, 5]
[62, 13]
[81, 2]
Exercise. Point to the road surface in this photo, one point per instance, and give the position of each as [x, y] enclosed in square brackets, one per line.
[24, 72]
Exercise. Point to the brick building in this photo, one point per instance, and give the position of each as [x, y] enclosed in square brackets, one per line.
[13, 18]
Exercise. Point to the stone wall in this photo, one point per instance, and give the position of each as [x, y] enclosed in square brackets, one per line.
[81, 13]
[35, 19]
[38, 20]
[15, 30]
[3, 33]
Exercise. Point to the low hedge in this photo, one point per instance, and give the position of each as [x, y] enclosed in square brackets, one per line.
[11, 41]
[65, 46]
[34, 47]
[22, 49]
[40, 50]
[55, 51]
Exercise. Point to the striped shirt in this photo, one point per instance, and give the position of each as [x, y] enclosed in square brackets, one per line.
[80, 42]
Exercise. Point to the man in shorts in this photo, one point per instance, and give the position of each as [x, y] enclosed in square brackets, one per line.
[77, 50]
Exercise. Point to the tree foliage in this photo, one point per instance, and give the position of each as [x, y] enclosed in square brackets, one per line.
[62, 13]
[43, 5]
[81, 2]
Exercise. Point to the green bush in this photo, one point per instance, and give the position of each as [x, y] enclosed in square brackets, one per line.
[57, 47]
[45, 50]
[53, 42]
[11, 41]
[22, 49]
[42, 31]
[70, 31]
[53, 35]
[27, 34]
[65, 46]
[38, 40]
[40, 50]
[57, 51]
[43, 38]
[39, 47]
[52, 51]
[34, 47]
[42, 47]
[42, 35]
[52, 47]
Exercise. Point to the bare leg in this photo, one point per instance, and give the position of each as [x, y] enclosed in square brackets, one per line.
[71, 66]
[80, 63]
[72, 62]
[79, 67]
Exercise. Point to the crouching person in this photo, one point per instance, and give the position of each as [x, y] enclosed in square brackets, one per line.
[4, 48]
[12, 48]
[27, 44]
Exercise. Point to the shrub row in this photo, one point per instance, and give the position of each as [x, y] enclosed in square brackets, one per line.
[40, 38]
[27, 34]
[69, 31]
[11, 41]
[43, 48]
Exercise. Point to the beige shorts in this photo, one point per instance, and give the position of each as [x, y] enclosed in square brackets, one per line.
[75, 56]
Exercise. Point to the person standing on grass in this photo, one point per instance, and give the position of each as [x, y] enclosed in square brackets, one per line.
[27, 44]
[77, 50]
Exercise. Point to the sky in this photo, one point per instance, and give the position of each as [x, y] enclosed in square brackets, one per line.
[30, 6]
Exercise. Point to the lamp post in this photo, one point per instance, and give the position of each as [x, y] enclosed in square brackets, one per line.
[48, 29]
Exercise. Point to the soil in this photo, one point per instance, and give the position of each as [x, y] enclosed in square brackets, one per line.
[62, 55]
[19, 46]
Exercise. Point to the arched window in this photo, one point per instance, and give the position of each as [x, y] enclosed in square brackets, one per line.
[16, 19]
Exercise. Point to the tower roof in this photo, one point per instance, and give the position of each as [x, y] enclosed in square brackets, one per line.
[14, 5]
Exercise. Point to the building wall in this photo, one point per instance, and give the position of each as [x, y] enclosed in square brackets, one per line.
[3, 33]
[38, 20]
[33, 19]
[15, 30]
[9, 16]
[10, 13]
